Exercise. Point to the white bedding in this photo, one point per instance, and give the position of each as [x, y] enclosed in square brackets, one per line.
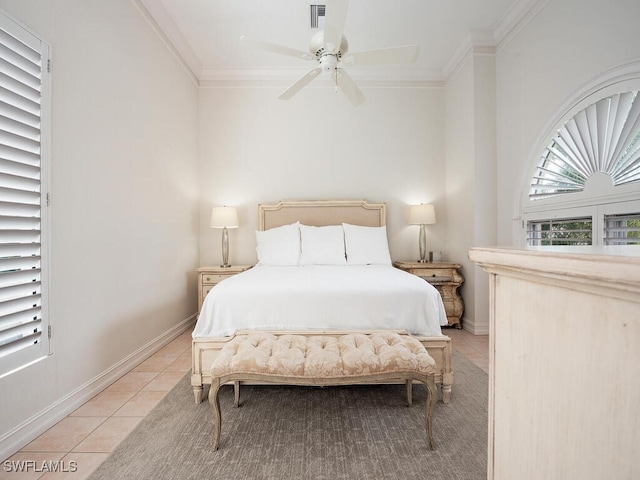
[311, 297]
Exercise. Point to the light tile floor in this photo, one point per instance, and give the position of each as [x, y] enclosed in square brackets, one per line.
[84, 439]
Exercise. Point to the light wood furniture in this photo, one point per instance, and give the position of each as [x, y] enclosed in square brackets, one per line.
[321, 361]
[446, 277]
[564, 377]
[319, 213]
[209, 277]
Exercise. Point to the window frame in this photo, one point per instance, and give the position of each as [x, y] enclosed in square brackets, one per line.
[596, 212]
[20, 359]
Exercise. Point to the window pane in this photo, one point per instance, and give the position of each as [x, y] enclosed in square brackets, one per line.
[622, 229]
[571, 231]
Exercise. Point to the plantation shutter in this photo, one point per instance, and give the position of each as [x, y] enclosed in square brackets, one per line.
[23, 327]
[622, 229]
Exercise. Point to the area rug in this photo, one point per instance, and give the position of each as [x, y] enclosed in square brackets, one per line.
[281, 432]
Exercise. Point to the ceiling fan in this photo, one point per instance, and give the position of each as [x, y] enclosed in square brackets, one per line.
[330, 50]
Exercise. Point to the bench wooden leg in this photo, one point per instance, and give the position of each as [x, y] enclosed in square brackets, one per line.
[432, 399]
[236, 393]
[409, 384]
[215, 406]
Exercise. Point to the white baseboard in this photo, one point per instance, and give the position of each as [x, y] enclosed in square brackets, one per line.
[35, 426]
[471, 327]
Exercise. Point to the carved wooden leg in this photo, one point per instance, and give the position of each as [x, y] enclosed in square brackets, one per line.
[432, 399]
[409, 392]
[215, 407]
[236, 393]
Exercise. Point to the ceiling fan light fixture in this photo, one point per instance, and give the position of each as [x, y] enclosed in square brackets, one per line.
[318, 48]
[328, 62]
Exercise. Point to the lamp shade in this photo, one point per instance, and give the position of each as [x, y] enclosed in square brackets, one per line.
[224, 217]
[422, 214]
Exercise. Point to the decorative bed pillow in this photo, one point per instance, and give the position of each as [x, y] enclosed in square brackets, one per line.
[279, 245]
[322, 245]
[366, 245]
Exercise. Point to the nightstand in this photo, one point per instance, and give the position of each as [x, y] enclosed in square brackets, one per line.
[446, 277]
[209, 277]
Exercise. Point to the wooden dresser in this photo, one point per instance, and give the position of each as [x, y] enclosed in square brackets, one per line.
[209, 277]
[564, 375]
[446, 277]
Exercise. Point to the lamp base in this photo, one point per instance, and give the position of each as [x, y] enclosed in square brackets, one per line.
[423, 261]
[226, 266]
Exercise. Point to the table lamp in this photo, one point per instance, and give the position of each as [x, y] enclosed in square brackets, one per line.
[422, 215]
[224, 217]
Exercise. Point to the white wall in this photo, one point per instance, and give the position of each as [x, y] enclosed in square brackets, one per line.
[471, 178]
[256, 148]
[565, 46]
[125, 206]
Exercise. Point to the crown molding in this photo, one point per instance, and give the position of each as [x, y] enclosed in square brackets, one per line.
[515, 19]
[480, 42]
[284, 77]
[489, 42]
[476, 42]
[161, 22]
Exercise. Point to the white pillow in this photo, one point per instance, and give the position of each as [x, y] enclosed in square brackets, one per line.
[322, 245]
[366, 245]
[279, 245]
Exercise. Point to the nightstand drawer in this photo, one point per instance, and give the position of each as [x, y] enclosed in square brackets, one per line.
[437, 279]
[206, 289]
[213, 278]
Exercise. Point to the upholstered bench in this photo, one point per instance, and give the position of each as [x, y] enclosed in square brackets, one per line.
[323, 360]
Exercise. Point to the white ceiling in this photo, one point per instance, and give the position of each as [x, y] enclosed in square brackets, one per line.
[205, 34]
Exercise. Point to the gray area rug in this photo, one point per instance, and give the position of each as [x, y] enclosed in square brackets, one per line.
[281, 432]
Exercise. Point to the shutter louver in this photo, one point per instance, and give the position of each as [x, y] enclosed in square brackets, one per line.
[21, 323]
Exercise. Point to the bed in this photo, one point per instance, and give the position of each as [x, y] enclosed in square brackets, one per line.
[313, 290]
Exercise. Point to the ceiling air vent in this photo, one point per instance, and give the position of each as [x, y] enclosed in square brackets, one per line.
[317, 16]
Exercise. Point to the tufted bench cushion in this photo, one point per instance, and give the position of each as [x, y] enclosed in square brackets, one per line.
[323, 360]
[323, 356]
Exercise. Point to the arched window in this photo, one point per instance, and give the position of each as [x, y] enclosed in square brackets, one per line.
[585, 186]
[602, 138]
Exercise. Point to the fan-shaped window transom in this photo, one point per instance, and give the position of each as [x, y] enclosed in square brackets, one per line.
[602, 138]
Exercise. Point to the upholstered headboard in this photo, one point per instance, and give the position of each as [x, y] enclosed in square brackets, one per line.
[319, 213]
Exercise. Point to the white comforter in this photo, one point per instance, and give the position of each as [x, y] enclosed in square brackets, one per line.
[310, 297]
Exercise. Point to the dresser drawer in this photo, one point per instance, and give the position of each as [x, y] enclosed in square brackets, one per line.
[213, 278]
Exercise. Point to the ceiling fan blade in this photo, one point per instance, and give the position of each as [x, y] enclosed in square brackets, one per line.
[300, 84]
[404, 54]
[335, 16]
[272, 47]
[349, 88]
